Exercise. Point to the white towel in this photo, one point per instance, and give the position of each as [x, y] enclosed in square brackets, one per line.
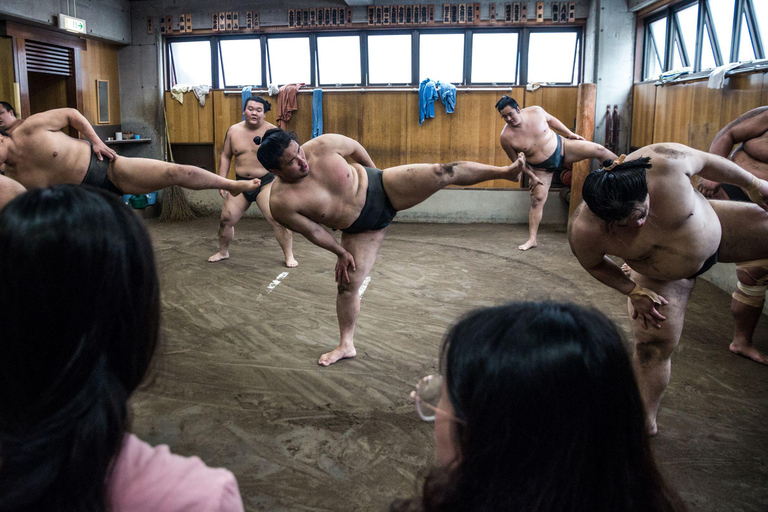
[201, 91]
[178, 90]
[717, 76]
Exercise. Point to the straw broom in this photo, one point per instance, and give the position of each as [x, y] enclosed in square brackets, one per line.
[175, 204]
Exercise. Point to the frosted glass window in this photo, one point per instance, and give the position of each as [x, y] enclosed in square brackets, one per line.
[441, 57]
[552, 56]
[338, 60]
[746, 50]
[656, 48]
[722, 16]
[494, 58]
[761, 15]
[687, 19]
[240, 62]
[389, 59]
[288, 59]
[677, 57]
[707, 53]
[191, 63]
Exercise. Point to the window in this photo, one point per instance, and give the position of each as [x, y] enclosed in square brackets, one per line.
[382, 68]
[240, 62]
[338, 60]
[687, 20]
[494, 58]
[190, 63]
[441, 57]
[761, 16]
[552, 57]
[288, 60]
[722, 18]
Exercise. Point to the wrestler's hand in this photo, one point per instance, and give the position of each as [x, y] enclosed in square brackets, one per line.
[708, 187]
[345, 261]
[102, 150]
[223, 193]
[576, 136]
[645, 309]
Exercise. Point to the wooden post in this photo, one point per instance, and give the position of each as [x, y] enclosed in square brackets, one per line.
[585, 126]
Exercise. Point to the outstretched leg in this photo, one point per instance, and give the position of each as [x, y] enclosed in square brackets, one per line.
[747, 306]
[231, 211]
[409, 185]
[364, 247]
[577, 150]
[654, 347]
[284, 236]
[539, 193]
[144, 175]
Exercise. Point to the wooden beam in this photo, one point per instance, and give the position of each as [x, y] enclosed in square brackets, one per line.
[585, 126]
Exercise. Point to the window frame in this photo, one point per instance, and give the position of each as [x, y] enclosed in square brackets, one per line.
[262, 42]
[468, 55]
[363, 58]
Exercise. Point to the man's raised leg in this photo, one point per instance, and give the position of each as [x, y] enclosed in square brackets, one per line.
[283, 236]
[577, 150]
[654, 347]
[539, 195]
[409, 185]
[232, 210]
[145, 175]
[364, 247]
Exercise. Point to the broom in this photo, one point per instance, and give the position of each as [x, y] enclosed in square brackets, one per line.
[175, 204]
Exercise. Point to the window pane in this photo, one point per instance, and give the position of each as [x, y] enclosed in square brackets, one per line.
[707, 53]
[191, 63]
[441, 57]
[389, 59]
[722, 16]
[240, 62]
[677, 57]
[487, 67]
[551, 57]
[656, 48]
[687, 19]
[746, 51]
[289, 60]
[338, 59]
[761, 13]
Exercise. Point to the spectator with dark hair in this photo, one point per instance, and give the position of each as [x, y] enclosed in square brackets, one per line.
[645, 211]
[536, 409]
[80, 310]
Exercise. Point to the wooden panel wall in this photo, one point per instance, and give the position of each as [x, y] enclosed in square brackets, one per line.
[385, 123]
[99, 62]
[691, 113]
[6, 77]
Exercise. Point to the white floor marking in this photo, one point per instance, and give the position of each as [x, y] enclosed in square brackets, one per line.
[276, 282]
[364, 286]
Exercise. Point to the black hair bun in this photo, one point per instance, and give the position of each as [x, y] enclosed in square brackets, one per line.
[607, 163]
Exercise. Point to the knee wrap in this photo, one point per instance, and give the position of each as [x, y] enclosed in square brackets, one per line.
[750, 295]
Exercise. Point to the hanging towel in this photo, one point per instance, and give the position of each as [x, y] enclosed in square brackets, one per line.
[272, 89]
[286, 104]
[317, 112]
[427, 97]
[178, 90]
[245, 95]
[201, 91]
[447, 93]
[717, 76]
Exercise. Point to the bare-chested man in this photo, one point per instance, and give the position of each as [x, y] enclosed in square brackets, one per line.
[750, 131]
[646, 212]
[316, 185]
[530, 130]
[239, 143]
[36, 153]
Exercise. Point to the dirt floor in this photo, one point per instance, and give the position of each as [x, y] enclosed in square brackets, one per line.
[237, 381]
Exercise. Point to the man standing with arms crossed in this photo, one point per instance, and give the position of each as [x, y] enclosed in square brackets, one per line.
[530, 131]
[239, 143]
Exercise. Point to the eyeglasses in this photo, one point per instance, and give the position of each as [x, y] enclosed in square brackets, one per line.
[426, 396]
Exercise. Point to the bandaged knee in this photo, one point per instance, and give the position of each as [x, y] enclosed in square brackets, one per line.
[638, 291]
[750, 295]
[753, 191]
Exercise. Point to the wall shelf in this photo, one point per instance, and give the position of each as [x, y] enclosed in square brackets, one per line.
[127, 141]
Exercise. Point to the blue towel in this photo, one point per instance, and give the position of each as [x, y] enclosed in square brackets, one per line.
[317, 112]
[447, 92]
[427, 97]
[246, 94]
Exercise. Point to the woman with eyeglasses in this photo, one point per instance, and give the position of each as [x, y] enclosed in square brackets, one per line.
[80, 318]
[537, 410]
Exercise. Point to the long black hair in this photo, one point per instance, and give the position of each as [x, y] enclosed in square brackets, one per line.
[272, 146]
[552, 415]
[612, 193]
[79, 309]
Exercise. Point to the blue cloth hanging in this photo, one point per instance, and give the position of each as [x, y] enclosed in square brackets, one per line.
[447, 93]
[317, 112]
[246, 94]
[427, 97]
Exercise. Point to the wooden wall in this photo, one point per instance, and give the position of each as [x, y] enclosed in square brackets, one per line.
[99, 62]
[689, 112]
[385, 123]
[6, 77]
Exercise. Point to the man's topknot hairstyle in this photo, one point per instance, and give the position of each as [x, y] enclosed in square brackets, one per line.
[259, 99]
[507, 101]
[272, 146]
[613, 191]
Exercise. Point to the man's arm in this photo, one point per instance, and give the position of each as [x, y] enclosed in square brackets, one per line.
[316, 234]
[722, 170]
[513, 156]
[60, 118]
[225, 160]
[347, 147]
[555, 124]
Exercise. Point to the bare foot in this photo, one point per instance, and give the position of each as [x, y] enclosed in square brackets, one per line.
[627, 270]
[219, 256]
[530, 244]
[517, 167]
[749, 352]
[241, 186]
[334, 355]
[291, 262]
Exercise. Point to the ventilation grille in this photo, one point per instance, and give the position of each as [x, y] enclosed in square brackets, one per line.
[49, 58]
